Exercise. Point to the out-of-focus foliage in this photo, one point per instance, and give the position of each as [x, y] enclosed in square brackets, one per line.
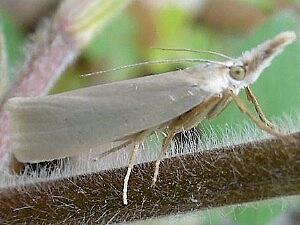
[86, 18]
[267, 5]
[129, 38]
[11, 53]
[116, 46]
[14, 38]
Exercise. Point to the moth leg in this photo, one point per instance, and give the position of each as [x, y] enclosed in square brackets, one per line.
[137, 139]
[186, 121]
[258, 122]
[165, 147]
[114, 149]
[253, 100]
[130, 167]
[191, 118]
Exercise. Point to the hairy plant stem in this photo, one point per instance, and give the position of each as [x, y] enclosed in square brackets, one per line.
[220, 177]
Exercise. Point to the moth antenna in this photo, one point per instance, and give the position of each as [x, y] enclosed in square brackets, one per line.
[150, 63]
[196, 51]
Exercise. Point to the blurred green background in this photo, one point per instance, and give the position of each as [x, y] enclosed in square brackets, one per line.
[227, 26]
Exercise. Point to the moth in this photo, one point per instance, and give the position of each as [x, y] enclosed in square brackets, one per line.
[50, 127]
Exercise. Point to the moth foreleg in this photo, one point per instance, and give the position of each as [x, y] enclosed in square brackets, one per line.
[251, 97]
[258, 122]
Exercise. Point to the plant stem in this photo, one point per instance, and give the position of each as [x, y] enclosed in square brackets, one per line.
[220, 177]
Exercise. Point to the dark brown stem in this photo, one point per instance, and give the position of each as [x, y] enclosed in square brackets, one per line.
[220, 177]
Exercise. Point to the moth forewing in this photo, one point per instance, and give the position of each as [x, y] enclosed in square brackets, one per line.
[70, 123]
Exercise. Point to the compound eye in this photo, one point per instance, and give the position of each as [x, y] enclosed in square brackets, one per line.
[237, 72]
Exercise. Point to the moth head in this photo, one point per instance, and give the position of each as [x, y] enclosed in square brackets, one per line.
[247, 68]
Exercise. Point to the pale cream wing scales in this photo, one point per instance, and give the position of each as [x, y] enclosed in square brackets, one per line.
[66, 124]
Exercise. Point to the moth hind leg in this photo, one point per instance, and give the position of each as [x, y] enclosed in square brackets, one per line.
[137, 140]
[114, 149]
[129, 169]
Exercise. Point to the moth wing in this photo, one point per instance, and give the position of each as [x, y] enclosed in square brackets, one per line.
[67, 124]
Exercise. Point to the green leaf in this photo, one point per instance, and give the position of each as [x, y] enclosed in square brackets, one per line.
[3, 65]
[266, 5]
[12, 39]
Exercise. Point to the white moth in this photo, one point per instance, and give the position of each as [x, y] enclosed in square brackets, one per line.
[67, 124]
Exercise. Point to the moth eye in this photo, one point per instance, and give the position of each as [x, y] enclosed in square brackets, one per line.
[237, 72]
